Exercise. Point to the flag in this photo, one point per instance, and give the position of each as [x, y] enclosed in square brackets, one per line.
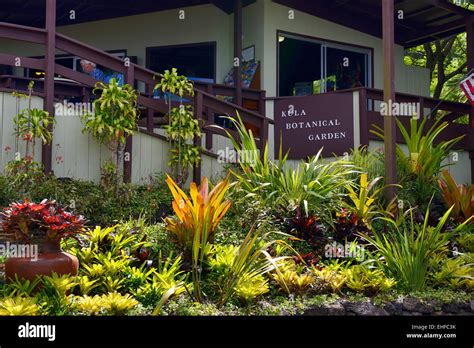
[467, 86]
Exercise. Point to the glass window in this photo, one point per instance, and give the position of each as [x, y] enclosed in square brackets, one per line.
[307, 66]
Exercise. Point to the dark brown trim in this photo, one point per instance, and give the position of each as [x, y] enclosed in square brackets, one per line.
[238, 52]
[314, 38]
[212, 43]
[50, 55]
[389, 125]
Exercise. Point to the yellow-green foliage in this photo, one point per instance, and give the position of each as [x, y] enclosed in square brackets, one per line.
[362, 279]
[18, 306]
[248, 288]
[455, 273]
[91, 305]
[329, 279]
[292, 279]
[337, 276]
[112, 303]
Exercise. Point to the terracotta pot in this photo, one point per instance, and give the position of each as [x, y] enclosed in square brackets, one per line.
[50, 259]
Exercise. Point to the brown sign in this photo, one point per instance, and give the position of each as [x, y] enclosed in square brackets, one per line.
[306, 124]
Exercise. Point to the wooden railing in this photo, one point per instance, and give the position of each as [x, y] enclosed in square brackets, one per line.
[206, 100]
[429, 108]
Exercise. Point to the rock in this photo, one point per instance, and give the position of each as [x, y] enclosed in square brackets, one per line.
[316, 311]
[415, 305]
[472, 305]
[450, 307]
[336, 308]
[366, 308]
[394, 308]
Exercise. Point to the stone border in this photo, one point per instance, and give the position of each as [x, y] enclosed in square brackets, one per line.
[408, 306]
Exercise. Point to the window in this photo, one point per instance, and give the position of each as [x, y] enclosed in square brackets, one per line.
[307, 66]
[196, 61]
[74, 63]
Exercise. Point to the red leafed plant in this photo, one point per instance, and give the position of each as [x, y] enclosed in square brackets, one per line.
[460, 197]
[46, 221]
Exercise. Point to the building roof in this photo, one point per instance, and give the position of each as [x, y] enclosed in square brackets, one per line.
[31, 12]
[423, 20]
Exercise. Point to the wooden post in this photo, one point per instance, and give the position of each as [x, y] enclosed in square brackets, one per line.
[50, 56]
[127, 164]
[198, 101]
[209, 118]
[264, 130]
[470, 66]
[363, 118]
[238, 52]
[149, 112]
[389, 95]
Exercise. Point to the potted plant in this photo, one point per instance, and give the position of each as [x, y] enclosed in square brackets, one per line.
[38, 229]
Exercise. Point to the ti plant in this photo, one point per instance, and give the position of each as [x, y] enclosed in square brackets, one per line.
[115, 118]
[196, 221]
[460, 197]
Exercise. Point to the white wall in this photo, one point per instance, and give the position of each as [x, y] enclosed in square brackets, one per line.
[203, 23]
[79, 156]
[409, 79]
[8, 110]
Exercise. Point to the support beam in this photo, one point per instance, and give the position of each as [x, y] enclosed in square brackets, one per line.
[389, 95]
[238, 52]
[50, 55]
[470, 67]
[127, 164]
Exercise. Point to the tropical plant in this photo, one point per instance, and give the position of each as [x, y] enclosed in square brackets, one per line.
[317, 181]
[55, 291]
[292, 279]
[425, 153]
[173, 83]
[21, 287]
[460, 197]
[115, 117]
[31, 124]
[18, 306]
[328, 278]
[455, 273]
[406, 248]
[244, 265]
[45, 221]
[182, 127]
[91, 305]
[196, 221]
[363, 201]
[361, 278]
[118, 304]
[111, 303]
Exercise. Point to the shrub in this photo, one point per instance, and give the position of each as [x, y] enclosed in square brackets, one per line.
[407, 248]
[460, 197]
[19, 306]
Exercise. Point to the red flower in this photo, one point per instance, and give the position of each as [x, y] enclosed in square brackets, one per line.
[27, 137]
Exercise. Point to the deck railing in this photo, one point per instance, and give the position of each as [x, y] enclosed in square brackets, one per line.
[206, 100]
